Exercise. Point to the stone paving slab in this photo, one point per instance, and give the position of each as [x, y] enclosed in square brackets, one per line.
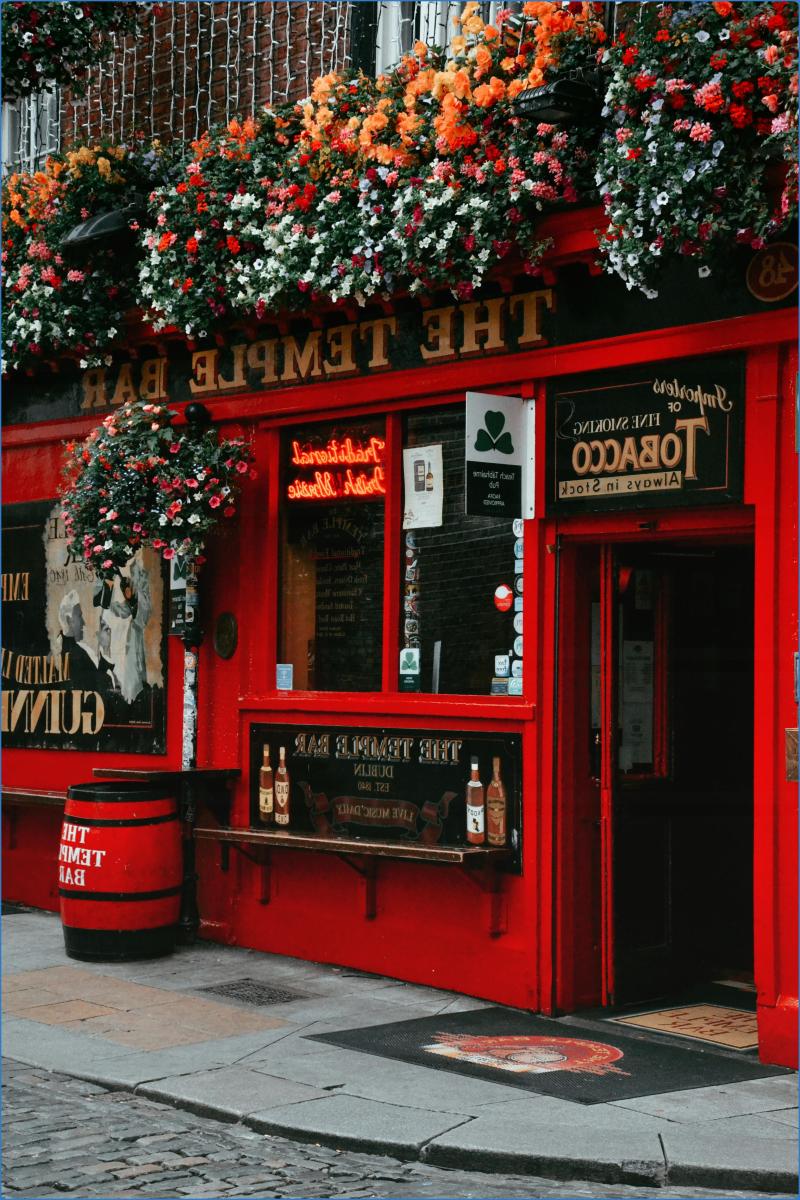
[750, 1125]
[390, 1082]
[361, 1124]
[496, 1143]
[711, 1103]
[229, 1093]
[730, 1160]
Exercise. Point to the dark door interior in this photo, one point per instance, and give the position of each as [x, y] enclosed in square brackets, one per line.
[683, 792]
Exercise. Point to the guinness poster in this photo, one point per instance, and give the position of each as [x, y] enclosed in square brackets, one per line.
[406, 785]
[83, 663]
[660, 435]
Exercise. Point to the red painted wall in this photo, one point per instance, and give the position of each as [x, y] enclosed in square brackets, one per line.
[432, 921]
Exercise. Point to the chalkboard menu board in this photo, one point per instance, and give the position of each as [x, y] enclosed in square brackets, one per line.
[387, 784]
[332, 555]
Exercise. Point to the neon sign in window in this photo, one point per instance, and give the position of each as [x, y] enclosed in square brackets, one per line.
[342, 468]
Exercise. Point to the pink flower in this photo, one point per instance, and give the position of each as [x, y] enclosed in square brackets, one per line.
[192, 483]
[106, 564]
[701, 132]
[137, 527]
[214, 502]
[174, 448]
[168, 553]
[241, 467]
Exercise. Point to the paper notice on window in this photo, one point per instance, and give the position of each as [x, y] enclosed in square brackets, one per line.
[424, 487]
[637, 673]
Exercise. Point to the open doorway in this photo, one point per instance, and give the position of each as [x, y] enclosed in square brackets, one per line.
[655, 770]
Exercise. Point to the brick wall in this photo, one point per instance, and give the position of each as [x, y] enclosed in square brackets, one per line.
[198, 64]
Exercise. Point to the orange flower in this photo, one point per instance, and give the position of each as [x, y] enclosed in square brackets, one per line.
[489, 93]
[483, 61]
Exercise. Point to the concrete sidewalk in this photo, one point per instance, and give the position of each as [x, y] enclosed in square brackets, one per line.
[149, 1027]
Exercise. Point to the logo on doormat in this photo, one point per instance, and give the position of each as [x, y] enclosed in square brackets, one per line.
[528, 1054]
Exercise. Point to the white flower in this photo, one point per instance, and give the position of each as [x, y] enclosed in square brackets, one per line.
[704, 272]
[194, 519]
[702, 35]
[717, 149]
[689, 174]
[662, 198]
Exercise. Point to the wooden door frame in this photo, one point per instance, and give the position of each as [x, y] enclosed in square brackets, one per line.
[716, 526]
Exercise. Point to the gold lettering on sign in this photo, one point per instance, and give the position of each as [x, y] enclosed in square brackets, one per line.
[94, 388]
[52, 711]
[153, 383]
[239, 377]
[125, 390]
[303, 363]
[376, 333]
[16, 585]
[319, 354]
[489, 330]
[439, 324]
[340, 348]
[533, 305]
[204, 368]
[261, 357]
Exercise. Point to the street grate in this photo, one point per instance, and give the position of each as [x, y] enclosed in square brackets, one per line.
[252, 991]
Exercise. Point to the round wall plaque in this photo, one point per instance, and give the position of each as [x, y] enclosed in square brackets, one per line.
[226, 634]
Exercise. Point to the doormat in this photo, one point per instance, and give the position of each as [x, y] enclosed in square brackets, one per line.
[539, 1054]
[734, 1028]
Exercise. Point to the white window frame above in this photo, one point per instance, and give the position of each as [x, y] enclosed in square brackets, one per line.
[31, 131]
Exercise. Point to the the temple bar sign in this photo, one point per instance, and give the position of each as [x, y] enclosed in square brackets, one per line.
[660, 435]
[306, 355]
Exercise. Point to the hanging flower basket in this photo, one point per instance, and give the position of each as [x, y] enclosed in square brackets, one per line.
[140, 480]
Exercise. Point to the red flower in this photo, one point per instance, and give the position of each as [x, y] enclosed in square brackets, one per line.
[182, 187]
[740, 116]
[631, 53]
[718, 61]
[643, 83]
[187, 285]
[743, 88]
[192, 245]
[634, 153]
[662, 35]
[233, 244]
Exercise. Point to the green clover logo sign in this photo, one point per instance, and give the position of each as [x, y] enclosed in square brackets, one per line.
[493, 437]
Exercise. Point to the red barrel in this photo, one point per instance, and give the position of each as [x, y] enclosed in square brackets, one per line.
[119, 871]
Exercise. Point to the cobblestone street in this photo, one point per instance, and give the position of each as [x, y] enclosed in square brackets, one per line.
[66, 1137]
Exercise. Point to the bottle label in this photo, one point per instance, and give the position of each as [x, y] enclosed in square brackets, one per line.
[266, 800]
[282, 803]
[496, 822]
[475, 818]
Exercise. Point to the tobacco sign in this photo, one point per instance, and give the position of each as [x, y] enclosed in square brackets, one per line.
[661, 435]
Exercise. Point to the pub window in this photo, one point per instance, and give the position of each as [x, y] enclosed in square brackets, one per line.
[461, 576]
[333, 484]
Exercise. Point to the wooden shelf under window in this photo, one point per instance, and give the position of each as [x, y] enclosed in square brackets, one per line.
[478, 864]
[340, 845]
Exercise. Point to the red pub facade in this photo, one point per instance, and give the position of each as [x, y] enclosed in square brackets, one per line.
[608, 610]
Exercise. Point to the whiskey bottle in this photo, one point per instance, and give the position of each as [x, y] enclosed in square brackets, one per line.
[476, 807]
[429, 480]
[496, 808]
[266, 791]
[282, 790]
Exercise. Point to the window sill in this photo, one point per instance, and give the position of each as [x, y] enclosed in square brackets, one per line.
[415, 704]
[357, 846]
